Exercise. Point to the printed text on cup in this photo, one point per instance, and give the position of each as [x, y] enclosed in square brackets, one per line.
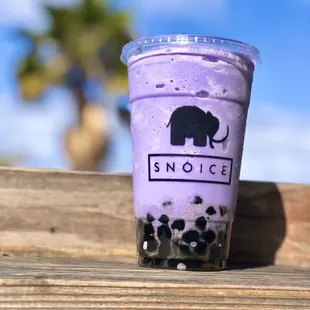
[189, 168]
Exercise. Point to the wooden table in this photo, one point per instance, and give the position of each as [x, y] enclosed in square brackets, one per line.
[81, 284]
[61, 247]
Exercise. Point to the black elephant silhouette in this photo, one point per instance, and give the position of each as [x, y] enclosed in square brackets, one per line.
[192, 122]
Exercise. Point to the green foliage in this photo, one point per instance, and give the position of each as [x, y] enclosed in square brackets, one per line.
[88, 39]
[89, 36]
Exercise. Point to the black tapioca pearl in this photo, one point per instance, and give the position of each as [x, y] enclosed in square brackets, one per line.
[178, 224]
[201, 248]
[211, 211]
[208, 236]
[173, 263]
[196, 200]
[185, 249]
[148, 229]
[223, 210]
[160, 231]
[150, 218]
[164, 230]
[201, 222]
[152, 245]
[164, 219]
[164, 235]
[148, 238]
[164, 249]
[168, 232]
[191, 236]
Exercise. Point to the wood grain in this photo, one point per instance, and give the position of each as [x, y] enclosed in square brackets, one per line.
[79, 214]
[75, 284]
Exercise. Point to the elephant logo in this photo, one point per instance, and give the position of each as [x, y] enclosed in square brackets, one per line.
[192, 122]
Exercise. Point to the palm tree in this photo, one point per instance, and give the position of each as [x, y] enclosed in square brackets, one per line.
[86, 40]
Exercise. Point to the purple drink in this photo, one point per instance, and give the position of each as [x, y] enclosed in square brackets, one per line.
[189, 99]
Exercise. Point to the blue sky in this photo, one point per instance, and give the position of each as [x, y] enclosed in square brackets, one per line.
[278, 133]
[279, 28]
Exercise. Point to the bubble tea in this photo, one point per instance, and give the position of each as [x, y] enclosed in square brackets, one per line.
[189, 100]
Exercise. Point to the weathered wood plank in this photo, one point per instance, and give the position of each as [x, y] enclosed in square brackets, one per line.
[68, 283]
[58, 213]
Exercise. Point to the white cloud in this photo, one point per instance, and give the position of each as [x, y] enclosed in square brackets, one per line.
[277, 145]
[28, 13]
[35, 131]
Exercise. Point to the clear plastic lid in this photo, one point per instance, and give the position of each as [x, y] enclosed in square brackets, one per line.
[149, 44]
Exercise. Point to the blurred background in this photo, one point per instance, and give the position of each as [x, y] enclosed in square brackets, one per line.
[63, 89]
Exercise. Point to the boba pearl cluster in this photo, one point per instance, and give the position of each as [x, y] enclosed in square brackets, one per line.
[171, 243]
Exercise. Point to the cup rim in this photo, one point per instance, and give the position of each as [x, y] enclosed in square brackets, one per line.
[152, 43]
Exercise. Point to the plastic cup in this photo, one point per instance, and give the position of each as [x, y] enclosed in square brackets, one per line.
[189, 100]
